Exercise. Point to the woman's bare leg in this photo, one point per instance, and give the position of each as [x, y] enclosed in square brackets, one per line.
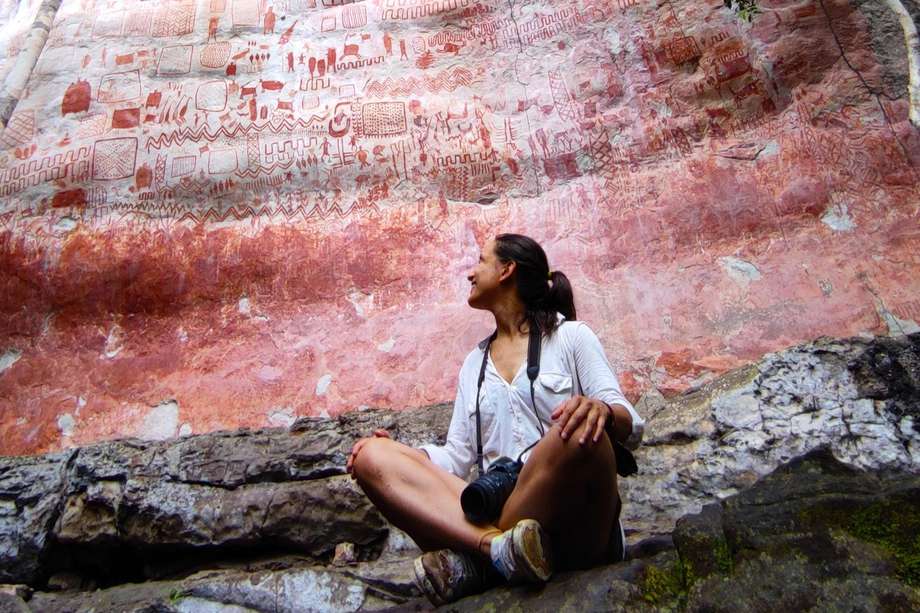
[571, 490]
[417, 496]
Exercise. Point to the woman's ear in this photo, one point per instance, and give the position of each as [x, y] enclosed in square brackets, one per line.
[507, 270]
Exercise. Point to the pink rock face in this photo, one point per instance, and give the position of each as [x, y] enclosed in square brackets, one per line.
[268, 210]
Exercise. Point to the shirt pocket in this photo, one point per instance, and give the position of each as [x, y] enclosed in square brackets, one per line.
[551, 390]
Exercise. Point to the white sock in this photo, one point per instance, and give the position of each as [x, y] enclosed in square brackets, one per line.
[500, 552]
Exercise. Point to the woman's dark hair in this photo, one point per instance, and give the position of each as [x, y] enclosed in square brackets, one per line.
[543, 293]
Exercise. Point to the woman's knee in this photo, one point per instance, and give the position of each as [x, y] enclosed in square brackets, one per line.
[373, 458]
[571, 450]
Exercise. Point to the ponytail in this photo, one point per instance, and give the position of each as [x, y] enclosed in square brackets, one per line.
[543, 292]
[560, 294]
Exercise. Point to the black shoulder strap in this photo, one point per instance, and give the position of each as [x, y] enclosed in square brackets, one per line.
[486, 344]
[534, 346]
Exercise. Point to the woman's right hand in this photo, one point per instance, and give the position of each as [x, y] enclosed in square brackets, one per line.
[349, 466]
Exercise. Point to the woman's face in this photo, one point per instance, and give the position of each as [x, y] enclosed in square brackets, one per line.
[485, 277]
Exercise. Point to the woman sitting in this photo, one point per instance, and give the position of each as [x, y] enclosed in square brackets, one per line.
[562, 421]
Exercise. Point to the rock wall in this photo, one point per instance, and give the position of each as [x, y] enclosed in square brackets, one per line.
[222, 213]
[267, 520]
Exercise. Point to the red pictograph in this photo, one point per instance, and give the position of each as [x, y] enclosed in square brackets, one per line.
[69, 198]
[108, 24]
[222, 161]
[176, 60]
[174, 19]
[183, 165]
[126, 118]
[211, 96]
[114, 158]
[20, 129]
[383, 118]
[354, 16]
[214, 55]
[119, 87]
[683, 49]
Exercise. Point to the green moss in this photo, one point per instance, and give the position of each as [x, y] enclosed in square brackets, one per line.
[723, 555]
[667, 585]
[176, 595]
[893, 525]
[746, 9]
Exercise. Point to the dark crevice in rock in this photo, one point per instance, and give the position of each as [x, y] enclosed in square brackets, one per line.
[100, 566]
[890, 370]
[267, 478]
[677, 438]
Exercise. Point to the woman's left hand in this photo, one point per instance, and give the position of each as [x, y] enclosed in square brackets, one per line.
[571, 413]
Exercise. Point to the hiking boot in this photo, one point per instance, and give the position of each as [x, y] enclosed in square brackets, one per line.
[447, 575]
[523, 554]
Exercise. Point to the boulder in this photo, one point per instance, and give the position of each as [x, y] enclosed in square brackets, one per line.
[857, 397]
[111, 507]
[31, 494]
[814, 535]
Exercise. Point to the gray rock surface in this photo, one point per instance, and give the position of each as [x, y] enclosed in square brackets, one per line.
[131, 499]
[249, 520]
[30, 500]
[858, 397]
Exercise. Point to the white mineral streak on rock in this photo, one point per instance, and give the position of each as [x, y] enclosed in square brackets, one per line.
[244, 306]
[281, 417]
[837, 218]
[113, 342]
[66, 423]
[362, 302]
[323, 384]
[161, 422]
[320, 591]
[65, 224]
[287, 591]
[269, 374]
[896, 326]
[387, 345]
[769, 150]
[912, 47]
[8, 358]
[192, 604]
[741, 271]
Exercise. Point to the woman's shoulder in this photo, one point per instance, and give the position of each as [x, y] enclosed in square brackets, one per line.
[571, 329]
[474, 358]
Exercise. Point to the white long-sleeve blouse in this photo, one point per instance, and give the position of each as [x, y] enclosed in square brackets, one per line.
[572, 362]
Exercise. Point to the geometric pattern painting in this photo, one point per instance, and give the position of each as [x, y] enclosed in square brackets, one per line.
[113, 158]
[384, 118]
[19, 130]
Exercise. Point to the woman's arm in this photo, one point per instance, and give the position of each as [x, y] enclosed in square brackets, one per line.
[598, 382]
[622, 421]
[456, 456]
